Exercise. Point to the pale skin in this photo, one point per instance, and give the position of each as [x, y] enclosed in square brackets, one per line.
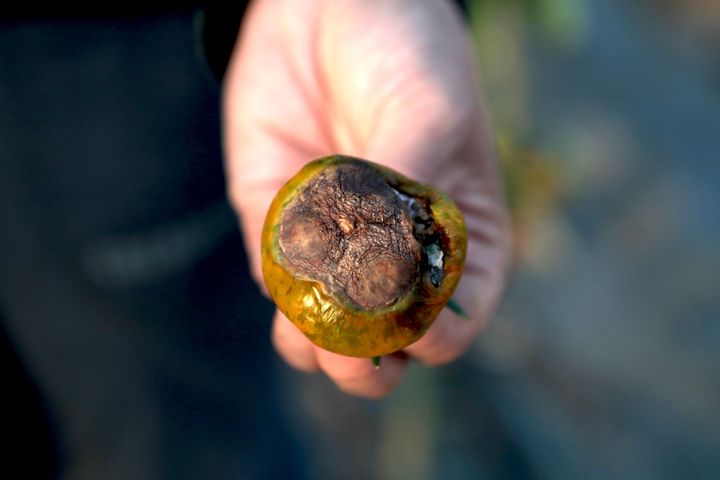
[392, 81]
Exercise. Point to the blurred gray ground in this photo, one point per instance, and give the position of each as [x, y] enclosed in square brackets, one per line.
[604, 359]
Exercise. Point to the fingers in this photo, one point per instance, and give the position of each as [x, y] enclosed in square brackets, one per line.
[292, 345]
[478, 292]
[358, 376]
[448, 338]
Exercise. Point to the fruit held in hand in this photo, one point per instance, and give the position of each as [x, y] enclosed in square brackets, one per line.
[360, 258]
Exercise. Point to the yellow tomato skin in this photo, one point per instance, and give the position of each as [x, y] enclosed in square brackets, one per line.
[334, 324]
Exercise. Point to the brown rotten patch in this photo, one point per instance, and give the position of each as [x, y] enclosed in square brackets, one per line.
[349, 231]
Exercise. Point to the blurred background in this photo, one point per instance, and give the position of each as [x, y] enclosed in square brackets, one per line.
[603, 360]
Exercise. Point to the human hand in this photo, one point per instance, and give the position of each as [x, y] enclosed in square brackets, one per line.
[391, 81]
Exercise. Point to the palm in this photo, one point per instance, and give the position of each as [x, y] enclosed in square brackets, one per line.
[371, 81]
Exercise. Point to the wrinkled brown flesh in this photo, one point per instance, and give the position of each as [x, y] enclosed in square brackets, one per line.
[349, 231]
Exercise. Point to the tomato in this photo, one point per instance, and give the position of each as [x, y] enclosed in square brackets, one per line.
[359, 257]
